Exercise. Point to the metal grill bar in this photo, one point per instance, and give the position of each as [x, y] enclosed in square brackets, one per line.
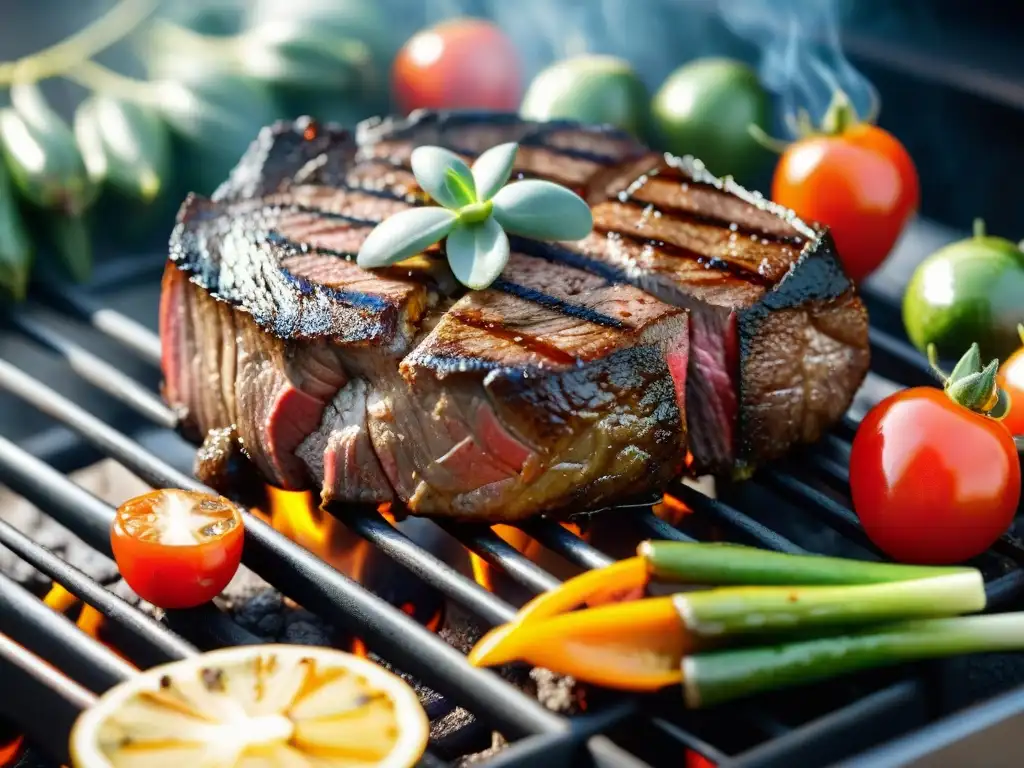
[89, 518]
[39, 700]
[884, 714]
[291, 569]
[28, 621]
[96, 371]
[160, 474]
[833, 514]
[372, 526]
[565, 543]
[115, 325]
[657, 528]
[895, 359]
[748, 528]
[495, 550]
[157, 644]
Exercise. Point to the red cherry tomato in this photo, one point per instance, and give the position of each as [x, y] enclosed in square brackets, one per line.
[459, 64]
[1011, 378]
[933, 482]
[697, 760]
[177, 549]
[861, 182]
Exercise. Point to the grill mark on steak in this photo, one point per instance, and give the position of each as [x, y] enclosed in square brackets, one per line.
[669, 190]
[545, 300]
[473, 318]
[708, 263]
[766, 260]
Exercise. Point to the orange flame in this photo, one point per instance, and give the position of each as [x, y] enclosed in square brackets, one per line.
[434, 624]
[671, 509]
[513, 536]
[523, 543]
[298, 515]
[89, 620]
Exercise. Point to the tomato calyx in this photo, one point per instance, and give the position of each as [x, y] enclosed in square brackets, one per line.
[972, 386]
[840, 117]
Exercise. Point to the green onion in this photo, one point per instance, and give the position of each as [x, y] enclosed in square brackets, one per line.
[698, 563]
[764, 610]
[720, 676]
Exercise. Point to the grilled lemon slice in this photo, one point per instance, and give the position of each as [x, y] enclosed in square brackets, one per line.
[262, 706]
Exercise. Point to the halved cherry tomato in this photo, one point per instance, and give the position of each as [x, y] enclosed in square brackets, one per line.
[855, 177]
[458, 64]
[177, 549]
[1011, 378]
[933, 482]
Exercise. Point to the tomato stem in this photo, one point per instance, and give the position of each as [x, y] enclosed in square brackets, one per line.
[840, 115]
[767, 141]
[979, 227]
[719, 676]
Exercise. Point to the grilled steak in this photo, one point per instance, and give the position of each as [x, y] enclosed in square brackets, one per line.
[560, 386]
[555, 388]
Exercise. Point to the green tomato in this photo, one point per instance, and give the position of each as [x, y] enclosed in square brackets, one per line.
[968, 291]
[705, 109]
[601, 90]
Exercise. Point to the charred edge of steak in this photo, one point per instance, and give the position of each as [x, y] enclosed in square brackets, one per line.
[442, 127]
[289, 152]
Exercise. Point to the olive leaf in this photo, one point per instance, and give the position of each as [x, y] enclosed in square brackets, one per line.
[477, 212]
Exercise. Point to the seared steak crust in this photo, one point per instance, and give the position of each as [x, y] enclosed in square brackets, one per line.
[560, 386]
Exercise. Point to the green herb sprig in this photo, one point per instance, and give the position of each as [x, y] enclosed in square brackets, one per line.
[476, 212]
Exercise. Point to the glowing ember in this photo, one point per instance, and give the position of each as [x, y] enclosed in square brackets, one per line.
[59, 599]
[671, 509]
[11, 750]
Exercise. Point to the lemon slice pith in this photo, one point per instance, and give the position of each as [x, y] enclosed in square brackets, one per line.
[258, 706]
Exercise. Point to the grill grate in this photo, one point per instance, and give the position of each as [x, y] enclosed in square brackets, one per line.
[656, 729]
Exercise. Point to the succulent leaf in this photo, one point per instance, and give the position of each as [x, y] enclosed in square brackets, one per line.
[492, 169]
[478, 253]
[405, 234]
[542, 210]
[444, 176]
